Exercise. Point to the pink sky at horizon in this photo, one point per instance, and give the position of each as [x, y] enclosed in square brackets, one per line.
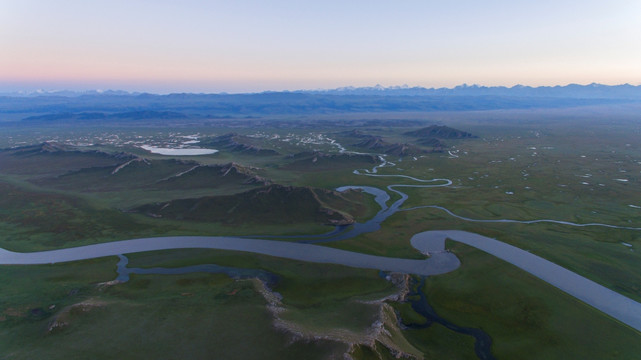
[215, 46]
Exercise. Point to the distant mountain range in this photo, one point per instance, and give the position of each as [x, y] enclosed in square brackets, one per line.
[116, 106]
[590, 91]
[98, 116]
[66, 93]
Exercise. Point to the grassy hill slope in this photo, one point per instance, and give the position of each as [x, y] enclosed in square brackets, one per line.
[274, 204]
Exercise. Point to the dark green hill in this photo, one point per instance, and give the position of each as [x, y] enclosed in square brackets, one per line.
[210, 176]
[131, 174]
[379, 145]
[440, 132]
[140, 173]
[35, 220]
[51, 159]
[274, 204]
[319, 161]
[434, 143]
[236, 143]
[354, 134]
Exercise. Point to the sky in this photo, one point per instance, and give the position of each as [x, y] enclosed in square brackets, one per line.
[167, 46]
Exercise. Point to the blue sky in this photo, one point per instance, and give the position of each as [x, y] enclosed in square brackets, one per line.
[234, 46]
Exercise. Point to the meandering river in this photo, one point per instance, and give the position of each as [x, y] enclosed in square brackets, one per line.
[430, 243]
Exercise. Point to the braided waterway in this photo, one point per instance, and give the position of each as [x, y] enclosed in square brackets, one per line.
[430, 243]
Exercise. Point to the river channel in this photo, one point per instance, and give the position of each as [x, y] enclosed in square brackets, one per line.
[431, 243]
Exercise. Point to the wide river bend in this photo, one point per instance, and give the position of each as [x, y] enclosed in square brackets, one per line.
[440, 261]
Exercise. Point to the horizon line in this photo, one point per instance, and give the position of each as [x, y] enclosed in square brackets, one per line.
[377, 87]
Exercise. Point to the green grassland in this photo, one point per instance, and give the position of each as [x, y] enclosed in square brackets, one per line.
[35, 219]
[527, 318]
[595, 252]
[173, 316]
[524, 165]
[164, 317]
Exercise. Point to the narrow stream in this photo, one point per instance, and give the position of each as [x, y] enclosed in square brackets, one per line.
[483, 341]
[233, 272]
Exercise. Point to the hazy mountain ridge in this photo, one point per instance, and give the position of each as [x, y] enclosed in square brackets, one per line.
[96, 116]
[593, 90]
[116, 107]
[590, 91]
